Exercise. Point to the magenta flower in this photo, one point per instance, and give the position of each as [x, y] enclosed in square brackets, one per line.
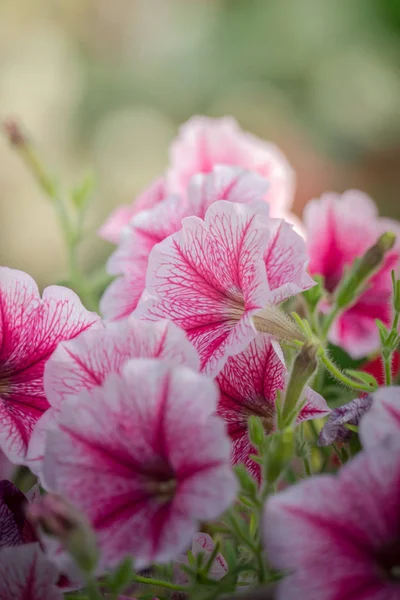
[144, 458]
[204, 142]
[214, 276]
[383, 418]
[149, 227]
[339, 229]
[30, 330]
[26, 574]
[249, 383]
[338, 536]
[86, 361]
[111, 230]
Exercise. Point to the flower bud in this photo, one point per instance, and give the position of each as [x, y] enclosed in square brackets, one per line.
[275, 322]
[256, 431]
[281, 450]
[362, 269]
[304, 366]
[59, 519]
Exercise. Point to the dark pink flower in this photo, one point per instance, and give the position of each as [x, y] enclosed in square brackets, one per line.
[338, 536]
[25, 574]
[144, 458]
[86, 361]
[249, 383]
[149, 227]
[214, 276]
[30, 329]
[204, 142]
[340, 229]
[111, 230]
[383, 418]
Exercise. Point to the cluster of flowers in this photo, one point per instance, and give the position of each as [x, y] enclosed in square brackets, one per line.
[180, 432]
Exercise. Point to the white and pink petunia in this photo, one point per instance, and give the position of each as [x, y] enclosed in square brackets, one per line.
[31, 327]
[205, 142]
[86, 361]
[26, 574]
[144, 458]
[112, 229]
[202, 544]
[383, 418]
[340, 229]
[249, 383]
[337, 537]
[215, 275]
[15, 529]
[149, 227]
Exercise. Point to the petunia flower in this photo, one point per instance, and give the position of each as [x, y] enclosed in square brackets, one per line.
[205, 142]
[383, 418]
[249, 383]
[216, 275]
[202, 543]
[25, 573]
[149, 227]
[335, 430]
[375, 367]
[112, 229]
[144, 458]
[340, 229]
[86, 361]
[338, 536]
[30, 329]
[15, 529]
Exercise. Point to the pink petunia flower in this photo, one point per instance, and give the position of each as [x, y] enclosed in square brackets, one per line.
[26, 574]
[248, 384]
[338, 536]
[204, 142]
[150, 227]
[112, 229]
[86, 361]
[339, 229]
[202, 543]
[214, 276]
[30, 329]
[144, 458]
[15, 529]
[383, 418]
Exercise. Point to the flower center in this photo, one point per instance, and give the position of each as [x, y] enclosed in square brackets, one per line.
[388, 559]
[4, 386]
[164, 491]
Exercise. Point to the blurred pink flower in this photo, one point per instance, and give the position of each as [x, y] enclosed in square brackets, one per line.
[383, 418]
[248, 384]
[340, 229]
[25, 573]
[150, 227]
[144, 458]
[86, 361]
[6, 467]
[214, 276]
[338, 536]
[204, 142]
[202, 543]
[30, 330]
[111, 230]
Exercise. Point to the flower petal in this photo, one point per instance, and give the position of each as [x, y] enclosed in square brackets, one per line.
[383, 418]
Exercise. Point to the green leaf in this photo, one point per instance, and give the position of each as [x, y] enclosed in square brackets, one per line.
[366, 378]
[122, 576]
[80, 195]
[314, 294]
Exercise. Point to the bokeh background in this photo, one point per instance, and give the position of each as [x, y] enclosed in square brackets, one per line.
[104, 84]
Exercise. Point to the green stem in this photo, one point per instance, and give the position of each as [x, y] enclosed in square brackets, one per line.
[159, 583]
[93, 589]
[333, 369]
[387, 361]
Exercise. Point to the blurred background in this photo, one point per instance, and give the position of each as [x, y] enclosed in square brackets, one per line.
[104, 84]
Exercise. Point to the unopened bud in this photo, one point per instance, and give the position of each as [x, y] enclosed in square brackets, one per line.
[304, 366]
[363, 269]
[281, 450]
[256, 431]
[59, 519]
[14, 133]
[278, 324]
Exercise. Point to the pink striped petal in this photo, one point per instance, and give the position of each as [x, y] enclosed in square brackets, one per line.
[203, 143]
[383, 418]
[30, 330]
[25, 574]
[149, 458]
[337, 536]
[210, 279]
